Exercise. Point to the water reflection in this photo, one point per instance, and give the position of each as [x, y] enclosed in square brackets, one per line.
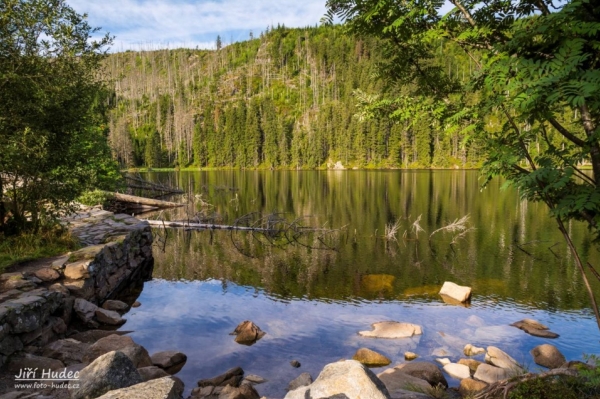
[313, 302]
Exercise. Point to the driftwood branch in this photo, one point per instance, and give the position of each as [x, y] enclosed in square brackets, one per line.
[135, 200]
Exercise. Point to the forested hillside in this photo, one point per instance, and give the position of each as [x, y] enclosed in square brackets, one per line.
[285, 99]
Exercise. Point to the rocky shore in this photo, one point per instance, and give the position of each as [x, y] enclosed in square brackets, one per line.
[58, 326]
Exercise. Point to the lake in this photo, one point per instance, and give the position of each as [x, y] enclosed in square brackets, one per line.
[325, 270]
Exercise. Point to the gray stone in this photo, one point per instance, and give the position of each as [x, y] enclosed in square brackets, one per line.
[92, 336]
[392, 329]
[28, 360]
[254, 379]
[395, 379]
[162, 388]
[152, 372]
[110, 371]
[68, 351]
[424, 370]
[109, 317]
[117, 306]
[10, 344]
[499, 358]
[85, 310]
[347, 377]
[302, 380]
[108, 344]
[170, 361]
[241, 392]
[549, 356]
[534, 328]
[232, 377]
[490, 374]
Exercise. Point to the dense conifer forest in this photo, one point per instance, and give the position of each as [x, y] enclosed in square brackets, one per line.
[286, 99]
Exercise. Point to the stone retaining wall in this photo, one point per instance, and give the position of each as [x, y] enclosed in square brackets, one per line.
[36, 306]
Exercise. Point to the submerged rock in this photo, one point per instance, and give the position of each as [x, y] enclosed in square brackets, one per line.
[535, 328]
[410, 356]
[231, 377]
[392, 329]
[170, 361]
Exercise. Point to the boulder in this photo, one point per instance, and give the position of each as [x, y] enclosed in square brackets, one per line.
[247, 333]
[231, 377]
[27, 360]
[151, 373]
[458, 371]
[472, 364]
[392, 329]
[68, 351]
[241, 392]
[457, 292]
[47, 274]
[302, 380]
[469, 386]
[347, 377]
[395, 379]
[501, 359]
[108, 372]
[534, 328]
[371, 358]
[490, 374]
[85, 310]
[471, 350]
[426, 371]
[117, 306]
[109, 317]
[92, 336]
[162, 388]
[138, 354]
[170, 361]
[548, 356]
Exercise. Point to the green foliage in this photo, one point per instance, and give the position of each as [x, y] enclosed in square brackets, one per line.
[284, 100]
[95, 197]
[52, 125]
[530, 103]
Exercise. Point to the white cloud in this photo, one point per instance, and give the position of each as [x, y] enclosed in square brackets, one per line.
[192, 23]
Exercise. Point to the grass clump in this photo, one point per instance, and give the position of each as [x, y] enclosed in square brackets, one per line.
[50, 241]
[95, 197]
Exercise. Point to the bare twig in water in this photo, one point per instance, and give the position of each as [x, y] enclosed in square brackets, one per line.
[594, 272]
[391, 230]
[416, 227]
[458, 225]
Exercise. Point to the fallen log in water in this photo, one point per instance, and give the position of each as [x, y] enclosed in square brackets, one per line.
[133, 199]
[205, 226]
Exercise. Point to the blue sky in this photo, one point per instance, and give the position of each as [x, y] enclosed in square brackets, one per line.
[152, 24]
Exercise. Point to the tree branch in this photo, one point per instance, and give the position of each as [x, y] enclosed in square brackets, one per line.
[568, 135]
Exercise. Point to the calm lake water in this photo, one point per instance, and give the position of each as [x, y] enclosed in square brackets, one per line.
[313, 290]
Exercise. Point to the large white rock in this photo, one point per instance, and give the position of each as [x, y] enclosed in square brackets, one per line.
[459, 371]
[490, 374]
[501, 359]
[347, 377]
[161, 388]
[392, 329]
[456, 292]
